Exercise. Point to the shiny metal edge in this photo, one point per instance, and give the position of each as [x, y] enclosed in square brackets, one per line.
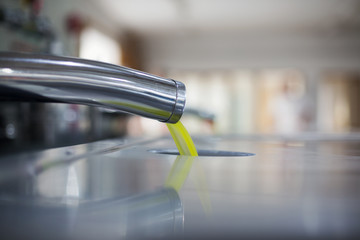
[179, 103]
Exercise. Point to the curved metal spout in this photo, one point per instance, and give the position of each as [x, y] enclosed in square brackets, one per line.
[46, 78]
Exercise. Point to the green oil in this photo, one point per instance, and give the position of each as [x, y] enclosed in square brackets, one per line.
[184, 161]
[182, 139]
[183, 164]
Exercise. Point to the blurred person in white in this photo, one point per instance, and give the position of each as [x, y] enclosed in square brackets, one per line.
[290, 109]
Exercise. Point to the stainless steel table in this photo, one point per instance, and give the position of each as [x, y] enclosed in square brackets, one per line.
[295, 187]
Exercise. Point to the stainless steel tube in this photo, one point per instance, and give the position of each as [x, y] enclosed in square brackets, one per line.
[46, 78]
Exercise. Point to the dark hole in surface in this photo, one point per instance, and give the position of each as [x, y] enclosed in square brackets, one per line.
[205, 153]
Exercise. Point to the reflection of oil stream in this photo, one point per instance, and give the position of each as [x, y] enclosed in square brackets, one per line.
[184, 162]
[179, 172]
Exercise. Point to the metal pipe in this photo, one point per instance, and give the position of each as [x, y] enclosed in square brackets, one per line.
[47, 78]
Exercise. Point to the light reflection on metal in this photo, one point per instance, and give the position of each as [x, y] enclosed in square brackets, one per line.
[45, 78]
[72, 184]
[156, 214]
[58, 204]
[6, 70]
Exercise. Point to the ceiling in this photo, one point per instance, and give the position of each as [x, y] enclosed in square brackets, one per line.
[169, 16]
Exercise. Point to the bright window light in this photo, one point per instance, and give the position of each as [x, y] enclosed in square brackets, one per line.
[96, 45]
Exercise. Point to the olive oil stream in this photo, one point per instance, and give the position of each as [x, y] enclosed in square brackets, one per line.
[182, 139]
[183, 163]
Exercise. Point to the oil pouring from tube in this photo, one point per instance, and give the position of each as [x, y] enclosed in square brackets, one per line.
[46, 78]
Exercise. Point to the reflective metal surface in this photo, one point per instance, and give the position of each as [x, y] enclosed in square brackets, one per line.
[46, 78]
[303, 187]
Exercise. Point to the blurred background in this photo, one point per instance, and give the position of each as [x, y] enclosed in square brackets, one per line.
[250, 67]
